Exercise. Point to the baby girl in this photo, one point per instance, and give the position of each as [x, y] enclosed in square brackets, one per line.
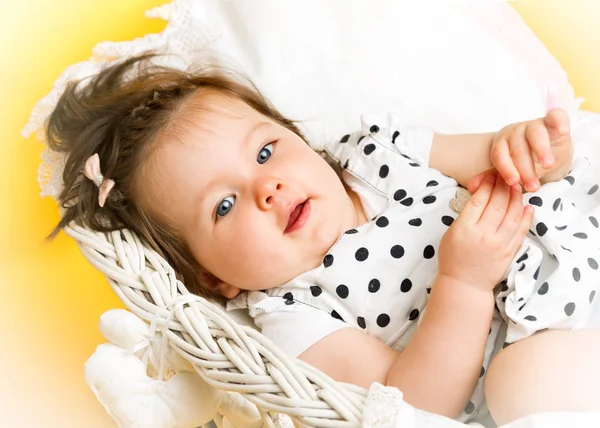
[371, 260]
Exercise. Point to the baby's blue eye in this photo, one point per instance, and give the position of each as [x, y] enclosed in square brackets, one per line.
[265, 153]
[225, 206]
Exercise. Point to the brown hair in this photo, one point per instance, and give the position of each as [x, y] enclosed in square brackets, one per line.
[118, 114]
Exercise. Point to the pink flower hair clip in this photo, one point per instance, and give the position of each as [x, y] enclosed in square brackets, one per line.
[92, 171]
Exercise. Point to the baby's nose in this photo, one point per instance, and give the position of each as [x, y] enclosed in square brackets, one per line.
[268, 192]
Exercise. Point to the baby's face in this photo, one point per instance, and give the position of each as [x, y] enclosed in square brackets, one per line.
[254, 203]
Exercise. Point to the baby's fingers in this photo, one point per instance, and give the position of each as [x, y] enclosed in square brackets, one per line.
[558, 120]
[539, 140]
[502, 160]
[517, 220]
[523, 228]
[476, 180]
[478, 201]
[497, 207]
[521, 155]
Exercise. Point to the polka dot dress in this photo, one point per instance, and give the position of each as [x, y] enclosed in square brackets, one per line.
[377, 277]
[554, 279]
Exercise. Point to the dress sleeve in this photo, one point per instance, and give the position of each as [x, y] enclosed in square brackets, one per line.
[295, 332]
[287, 319]
[413, 142]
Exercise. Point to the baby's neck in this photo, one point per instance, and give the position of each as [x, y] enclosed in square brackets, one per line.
[361, 216]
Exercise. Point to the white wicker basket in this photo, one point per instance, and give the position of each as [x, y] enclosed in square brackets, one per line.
[228, 356]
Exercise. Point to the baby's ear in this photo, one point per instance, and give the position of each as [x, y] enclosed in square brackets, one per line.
[215, 284]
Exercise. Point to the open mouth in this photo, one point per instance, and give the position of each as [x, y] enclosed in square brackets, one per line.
[298, 216]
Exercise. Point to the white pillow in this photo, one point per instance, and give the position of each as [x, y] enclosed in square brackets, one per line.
[458, 66]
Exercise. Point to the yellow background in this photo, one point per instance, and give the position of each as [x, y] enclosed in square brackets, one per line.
[50, 297]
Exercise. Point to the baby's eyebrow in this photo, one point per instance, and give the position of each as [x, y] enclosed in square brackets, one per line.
[255, 128]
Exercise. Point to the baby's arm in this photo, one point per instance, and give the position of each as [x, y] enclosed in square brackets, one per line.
[523, 152]
[461, 156]
[439, 367]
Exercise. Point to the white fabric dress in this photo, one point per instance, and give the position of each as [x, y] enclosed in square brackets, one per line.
[377, 278]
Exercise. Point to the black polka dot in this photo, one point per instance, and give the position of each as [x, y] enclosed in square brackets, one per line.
[470, 408]
[432, 183]
[593, 263]
[530, 318]
[580, 235]
[346, 164]
[328, 260]
[543, 289]
[407, 202]
[414, 314]
[594, 221]
[336, 315]
[369, 148]
[429, 252]
[383, 320]
[531, 232]
[414, 164]
[576, 274]
[351, 231]
[447, 220]
[397, 251]
[593, 189]
[406, 156]
[428, 290]
[361, 322]
[592, 295]
[406, 285]
[345, 138]
[360, 139]
[429, 199]
[569, 308]
[482, 372]
[289, 298]
[382, 221]
[523, 258]
[399, 194]
[522, 268]
[570, 179]
[361, 254]
[566, 249]
[536, 273]
[504, 286]
[396, 133]
[522, 306]
[384, 171]
[374, 128]
[556, 204]
[536, 200]
[415, 222]
[342, 291]
[374, 285]
[541, 229]
[315, 290]
[560, 228]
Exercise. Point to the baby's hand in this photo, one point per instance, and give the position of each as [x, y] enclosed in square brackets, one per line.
[528, 151]
[481, 243]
